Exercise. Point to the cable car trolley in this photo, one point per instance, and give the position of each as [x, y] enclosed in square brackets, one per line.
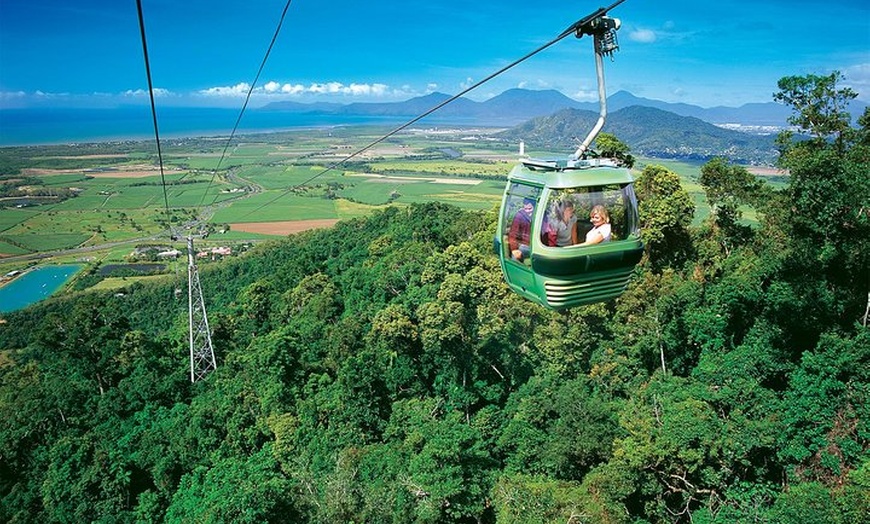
[568, 229]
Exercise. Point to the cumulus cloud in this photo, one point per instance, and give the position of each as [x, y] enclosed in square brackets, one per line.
[139, 93]
[294, 89]
[276, 89]
[644, 36]
[230, 91]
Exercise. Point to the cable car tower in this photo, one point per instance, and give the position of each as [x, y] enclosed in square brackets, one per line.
[202, 359]
[201, 350]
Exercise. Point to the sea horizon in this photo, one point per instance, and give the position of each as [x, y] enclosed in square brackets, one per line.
[65, 126]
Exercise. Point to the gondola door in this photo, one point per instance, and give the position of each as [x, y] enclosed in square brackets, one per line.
[516, 238]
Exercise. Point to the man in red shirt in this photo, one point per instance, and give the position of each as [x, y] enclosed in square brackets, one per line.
[521, 230]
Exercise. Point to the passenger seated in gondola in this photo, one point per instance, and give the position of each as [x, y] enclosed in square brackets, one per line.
[562, 228]
[600, 231]
[519, 235]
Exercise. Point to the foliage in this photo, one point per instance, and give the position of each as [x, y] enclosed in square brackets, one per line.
[381, 371]
[609, 146]
[666, 212]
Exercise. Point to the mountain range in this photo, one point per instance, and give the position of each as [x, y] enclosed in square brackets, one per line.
[518, 105]
[549, 119]
[649, 132]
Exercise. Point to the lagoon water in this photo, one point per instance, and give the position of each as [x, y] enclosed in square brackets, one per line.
[35, 285]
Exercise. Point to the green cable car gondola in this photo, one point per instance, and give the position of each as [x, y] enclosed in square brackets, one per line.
[548, 251]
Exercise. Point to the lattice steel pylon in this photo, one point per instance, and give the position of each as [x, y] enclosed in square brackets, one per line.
[201, 351]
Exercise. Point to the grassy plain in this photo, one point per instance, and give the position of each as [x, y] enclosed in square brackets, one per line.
[117, 193]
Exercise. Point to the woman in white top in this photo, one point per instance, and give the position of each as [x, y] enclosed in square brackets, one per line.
[600, 231]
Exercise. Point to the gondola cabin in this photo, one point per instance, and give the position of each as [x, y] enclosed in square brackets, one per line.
[568, 236]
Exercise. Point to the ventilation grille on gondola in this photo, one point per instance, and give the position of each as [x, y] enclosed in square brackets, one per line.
[561, 295]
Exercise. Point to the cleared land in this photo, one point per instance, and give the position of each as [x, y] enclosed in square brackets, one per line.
[283, 228]
[268, 185]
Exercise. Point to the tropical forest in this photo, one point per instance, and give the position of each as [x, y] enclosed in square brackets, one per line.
[381, 371]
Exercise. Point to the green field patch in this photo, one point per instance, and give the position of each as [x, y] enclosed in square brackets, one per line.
[443, 168]
[272, 177]
[46, 241]
[382, 190]
[374, 192]
[12, 217]
[82, 202]
[102, 225]
[210, 162]
[347, 209]
[116, 283]
[236, 236]
[253, 149]
[64, 179]
[168, 178]
[11, 250]
[195, 195]
[271, 206]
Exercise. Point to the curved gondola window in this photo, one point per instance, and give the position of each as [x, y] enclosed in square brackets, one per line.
[519, 216]
[618, 199]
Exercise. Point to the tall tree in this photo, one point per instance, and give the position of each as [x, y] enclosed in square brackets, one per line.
[666, 211]
[820, 106]
[827, 211]
[727, 188]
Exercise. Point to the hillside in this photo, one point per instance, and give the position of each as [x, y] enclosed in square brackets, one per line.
[649, 132]
[381, 371]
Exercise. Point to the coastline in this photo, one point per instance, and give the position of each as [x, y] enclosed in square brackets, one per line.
[45, 127]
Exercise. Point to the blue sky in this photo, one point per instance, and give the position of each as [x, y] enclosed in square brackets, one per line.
[68, 53]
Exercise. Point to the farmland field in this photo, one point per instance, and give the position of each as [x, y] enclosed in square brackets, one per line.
[114, 193]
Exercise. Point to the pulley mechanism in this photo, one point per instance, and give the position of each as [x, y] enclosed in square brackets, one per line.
[603, 30]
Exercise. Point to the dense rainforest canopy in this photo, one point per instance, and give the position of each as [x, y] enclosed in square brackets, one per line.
[381, 371]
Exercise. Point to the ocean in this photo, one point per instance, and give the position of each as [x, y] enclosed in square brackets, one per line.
[21, 127]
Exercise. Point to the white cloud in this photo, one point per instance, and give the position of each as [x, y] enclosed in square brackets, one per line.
[294, 89]
[367, 89]
[276, 89]
[586, 94]
[139, 93]
[857, 77]
[644, 36]
[236, 90]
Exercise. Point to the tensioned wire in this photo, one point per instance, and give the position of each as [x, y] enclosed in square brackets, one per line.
[154, 114]
[238, 119]
[245, 105]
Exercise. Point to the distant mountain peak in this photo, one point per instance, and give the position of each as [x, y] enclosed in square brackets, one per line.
[517, 104]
